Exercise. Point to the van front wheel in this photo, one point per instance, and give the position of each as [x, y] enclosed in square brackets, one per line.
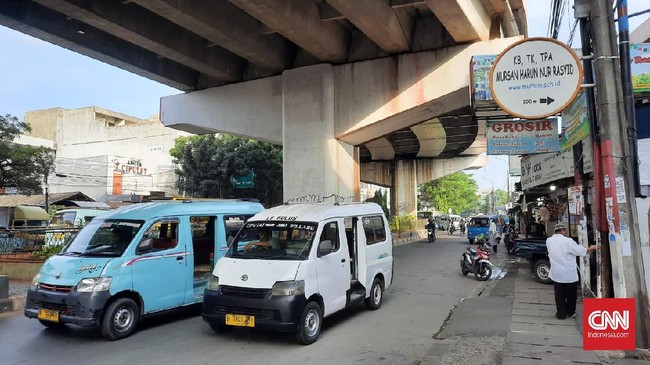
[120, 319]
[311, 322]
[373, 302]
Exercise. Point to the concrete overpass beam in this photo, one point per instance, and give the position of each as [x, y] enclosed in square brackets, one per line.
[316, 165]
[250, 109]
[225, 25]
[166, 39]
[299, 21]
[465, 20]
[378, 21]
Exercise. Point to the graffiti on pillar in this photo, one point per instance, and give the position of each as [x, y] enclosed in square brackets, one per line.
[404, 207]
[317, 198]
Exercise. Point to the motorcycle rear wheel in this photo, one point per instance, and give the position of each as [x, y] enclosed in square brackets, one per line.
[483, 272]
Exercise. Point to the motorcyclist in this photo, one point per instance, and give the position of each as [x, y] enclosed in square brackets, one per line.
[431, 228]
[462, 226]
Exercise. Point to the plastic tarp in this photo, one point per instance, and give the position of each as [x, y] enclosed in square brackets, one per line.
[30, 213]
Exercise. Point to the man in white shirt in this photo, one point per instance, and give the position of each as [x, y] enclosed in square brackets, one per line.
[494, 235]
[562, 252]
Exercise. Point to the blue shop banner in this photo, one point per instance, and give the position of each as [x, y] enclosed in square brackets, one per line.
[522, 137]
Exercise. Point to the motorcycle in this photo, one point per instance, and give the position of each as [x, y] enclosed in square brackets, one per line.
[431, 234]
[477, 261]
[452, 229]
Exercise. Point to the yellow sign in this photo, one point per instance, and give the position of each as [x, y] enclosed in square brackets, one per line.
[240, 320]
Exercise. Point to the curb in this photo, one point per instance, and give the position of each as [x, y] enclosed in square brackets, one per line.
[15, 303]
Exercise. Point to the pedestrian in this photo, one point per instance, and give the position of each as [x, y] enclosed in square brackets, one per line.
[494, 235]
[562, 252]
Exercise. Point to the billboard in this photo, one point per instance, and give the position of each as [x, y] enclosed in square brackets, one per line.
[576, 122]
[640, 66]
[522, 137]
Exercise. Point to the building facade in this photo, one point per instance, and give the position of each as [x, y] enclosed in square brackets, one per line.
[106, 155]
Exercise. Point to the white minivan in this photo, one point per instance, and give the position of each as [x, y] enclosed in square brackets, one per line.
[294, 264]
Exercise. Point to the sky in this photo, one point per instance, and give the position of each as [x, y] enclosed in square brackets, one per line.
[38, 75]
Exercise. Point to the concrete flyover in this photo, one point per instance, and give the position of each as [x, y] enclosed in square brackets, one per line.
[364, 90]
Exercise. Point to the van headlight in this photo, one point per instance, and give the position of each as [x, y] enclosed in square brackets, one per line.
[89, 285]
[36, 278]
[213, 283]
[284, 288]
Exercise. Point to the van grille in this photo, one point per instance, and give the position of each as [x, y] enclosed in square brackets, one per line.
[257, 313]
[55, 288]
[236, 291]
[63, 308]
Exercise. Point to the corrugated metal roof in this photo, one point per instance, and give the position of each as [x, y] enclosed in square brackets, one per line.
[39, 200]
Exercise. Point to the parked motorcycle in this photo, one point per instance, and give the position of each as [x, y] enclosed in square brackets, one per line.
[477, 261]
[431, 234]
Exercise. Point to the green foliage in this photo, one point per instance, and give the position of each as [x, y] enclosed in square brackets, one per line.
[501, 197]
[22, 167]
[402, 223]
[380, 199]
[47, 251]
[209, 162]
[456, 191]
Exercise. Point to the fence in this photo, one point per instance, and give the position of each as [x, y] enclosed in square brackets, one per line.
[29, 240]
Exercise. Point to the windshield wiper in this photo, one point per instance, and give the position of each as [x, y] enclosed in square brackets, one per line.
[71, 253]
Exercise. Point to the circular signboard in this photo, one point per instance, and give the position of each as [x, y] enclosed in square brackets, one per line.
[535, 78]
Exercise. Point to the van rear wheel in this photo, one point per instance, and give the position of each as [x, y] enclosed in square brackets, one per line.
[311, 322]
[373, 302]
[120, 319]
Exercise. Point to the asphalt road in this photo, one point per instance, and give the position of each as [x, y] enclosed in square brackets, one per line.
[428, 286]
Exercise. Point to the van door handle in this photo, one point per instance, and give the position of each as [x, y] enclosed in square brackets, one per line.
[342, 260]
[179, 258]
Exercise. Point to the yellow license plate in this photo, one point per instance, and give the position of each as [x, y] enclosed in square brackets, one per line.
[240, 320]
[48, 315]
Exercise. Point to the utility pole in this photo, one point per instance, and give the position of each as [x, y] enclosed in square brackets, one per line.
[620, 204]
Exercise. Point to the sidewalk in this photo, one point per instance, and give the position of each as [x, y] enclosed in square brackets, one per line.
[17, 294]
[537, 337]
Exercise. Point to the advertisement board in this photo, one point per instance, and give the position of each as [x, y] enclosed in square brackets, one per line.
[480, 75]
[640, 66]
[543, 168]
[522, 137]
[576, 122]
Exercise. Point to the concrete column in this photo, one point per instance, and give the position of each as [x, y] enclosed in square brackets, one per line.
[317, 167]
[404, 189]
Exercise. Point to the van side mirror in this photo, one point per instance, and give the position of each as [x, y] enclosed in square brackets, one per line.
[145, 245]
[324, 248]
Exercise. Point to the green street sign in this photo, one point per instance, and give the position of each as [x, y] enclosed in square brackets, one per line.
[244, 182]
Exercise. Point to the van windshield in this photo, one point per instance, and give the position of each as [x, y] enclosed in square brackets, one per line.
[108, 237]
[479, 222]
[273, 241]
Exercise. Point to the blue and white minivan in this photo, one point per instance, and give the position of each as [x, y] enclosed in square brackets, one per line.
[136, 260]
[292, 265]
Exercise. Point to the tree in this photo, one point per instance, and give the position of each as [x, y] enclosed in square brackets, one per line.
[208, 163]
[501, 197]
[380, 199]
[456, 191]
[22, 167]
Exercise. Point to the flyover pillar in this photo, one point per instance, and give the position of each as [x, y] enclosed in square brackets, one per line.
[404, 188]
[317, 167]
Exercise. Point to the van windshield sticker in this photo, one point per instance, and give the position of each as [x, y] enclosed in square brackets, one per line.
[303, 226]
[282, 218]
